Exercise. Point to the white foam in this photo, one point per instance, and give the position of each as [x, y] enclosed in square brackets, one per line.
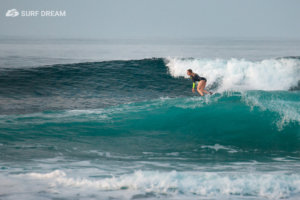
[244, 76]
[240, 75]
[172, 154]
[288, 109]
[205, 184]
[218, 147]
[152, 153]
[112, 155]
[283, 159]
[157, 164]
[56, 173]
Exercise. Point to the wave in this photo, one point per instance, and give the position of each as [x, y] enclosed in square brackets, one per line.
[228, 75]
[224, 75]
[176, 184]
[95, 85]
[244, 120]
[241, 75]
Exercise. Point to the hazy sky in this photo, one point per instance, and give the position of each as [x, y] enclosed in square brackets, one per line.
[155, 18]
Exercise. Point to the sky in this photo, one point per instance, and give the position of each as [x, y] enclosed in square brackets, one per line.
[154, 18]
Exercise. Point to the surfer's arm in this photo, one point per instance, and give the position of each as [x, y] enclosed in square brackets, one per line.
[193, 90]
[193, 83]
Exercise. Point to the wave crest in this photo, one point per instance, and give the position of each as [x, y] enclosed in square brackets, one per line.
[241, 75]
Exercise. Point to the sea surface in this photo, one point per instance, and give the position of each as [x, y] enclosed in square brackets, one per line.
[117, 119]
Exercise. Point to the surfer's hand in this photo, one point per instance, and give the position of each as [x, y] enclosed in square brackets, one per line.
[193, 90]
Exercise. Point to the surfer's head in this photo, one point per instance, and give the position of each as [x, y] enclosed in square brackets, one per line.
[190, 72]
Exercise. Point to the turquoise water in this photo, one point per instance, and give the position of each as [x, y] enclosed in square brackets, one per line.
[132, 129]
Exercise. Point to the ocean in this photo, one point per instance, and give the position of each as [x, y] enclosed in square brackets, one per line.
[117, 119]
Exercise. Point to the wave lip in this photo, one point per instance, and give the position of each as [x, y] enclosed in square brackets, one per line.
[241, 75]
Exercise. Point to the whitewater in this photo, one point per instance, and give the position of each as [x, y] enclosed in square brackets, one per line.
[84, 119]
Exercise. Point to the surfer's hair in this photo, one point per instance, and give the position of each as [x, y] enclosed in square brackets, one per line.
[191, 71]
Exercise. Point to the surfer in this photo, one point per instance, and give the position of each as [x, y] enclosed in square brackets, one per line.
[201, 84]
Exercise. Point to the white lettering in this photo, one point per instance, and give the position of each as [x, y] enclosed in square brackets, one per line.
[30, 13]
[63, 13]
[44, 13]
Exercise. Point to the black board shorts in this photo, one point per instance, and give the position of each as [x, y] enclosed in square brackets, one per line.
[202, 78]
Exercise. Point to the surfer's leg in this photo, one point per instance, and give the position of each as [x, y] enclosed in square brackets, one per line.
[202, 86]
[198, 88]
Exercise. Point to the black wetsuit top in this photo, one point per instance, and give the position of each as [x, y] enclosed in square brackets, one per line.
[197, 78]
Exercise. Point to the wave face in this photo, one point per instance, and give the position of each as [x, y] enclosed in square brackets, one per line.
[179, 120]
[87, 85]
[134, 129]
[82, 85]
